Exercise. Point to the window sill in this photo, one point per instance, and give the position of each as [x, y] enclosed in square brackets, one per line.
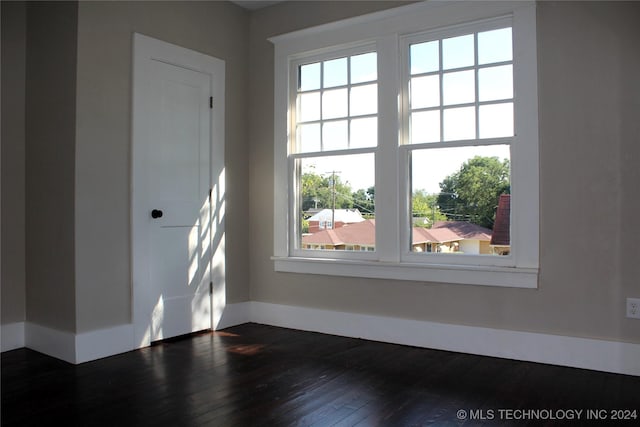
[514, 277]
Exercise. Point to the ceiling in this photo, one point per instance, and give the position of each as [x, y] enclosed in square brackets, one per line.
[255, 4]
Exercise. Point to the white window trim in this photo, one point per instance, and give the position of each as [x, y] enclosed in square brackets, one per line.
[392, 261]
[294, 62]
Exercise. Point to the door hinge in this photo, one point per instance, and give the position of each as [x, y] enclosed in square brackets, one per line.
[211, 102]
[210, 288]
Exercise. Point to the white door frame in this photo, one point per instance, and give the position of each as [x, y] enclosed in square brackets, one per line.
[146, 50]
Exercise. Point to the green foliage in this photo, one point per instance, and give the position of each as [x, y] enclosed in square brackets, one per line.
[364, 200]
[424, 205]
[472, 193]
[317, 192]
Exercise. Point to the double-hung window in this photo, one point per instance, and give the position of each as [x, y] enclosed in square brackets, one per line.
[335, 122]
[406, 146]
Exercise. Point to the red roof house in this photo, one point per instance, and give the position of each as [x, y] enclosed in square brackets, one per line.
[445, 236]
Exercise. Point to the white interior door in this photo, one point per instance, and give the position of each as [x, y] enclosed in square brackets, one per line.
[176, 218]
[179, 199]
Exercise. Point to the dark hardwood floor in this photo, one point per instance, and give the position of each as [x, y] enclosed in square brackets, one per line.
[255, 375]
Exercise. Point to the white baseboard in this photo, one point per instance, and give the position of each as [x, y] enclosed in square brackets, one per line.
[234, 314]
[103, 343]
[78, 348]
[59, 344]
[599, 355]
[12, 336]
[92, 345]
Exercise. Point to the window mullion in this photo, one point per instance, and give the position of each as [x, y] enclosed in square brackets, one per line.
[349, 118]
[321, 121]
[387, 179]
[476, 78]
[441, 80]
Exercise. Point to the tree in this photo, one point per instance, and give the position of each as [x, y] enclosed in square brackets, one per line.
[364, 201]
[317, 192]
[424, 205]
[472, 193]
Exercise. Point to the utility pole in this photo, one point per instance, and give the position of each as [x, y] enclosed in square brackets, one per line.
[333, 199]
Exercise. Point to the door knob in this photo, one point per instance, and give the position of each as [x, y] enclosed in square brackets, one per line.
[156, 213]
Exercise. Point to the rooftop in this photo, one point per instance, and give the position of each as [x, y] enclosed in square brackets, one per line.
[364, 233]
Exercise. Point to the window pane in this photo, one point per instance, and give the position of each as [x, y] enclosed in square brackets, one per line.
[334, 104]
[364, 100]
[458, 88]
[364, 68]
[425, 127]
[364, 133]
[309, 107]
[494, 46]
[425, 92]
[457, 52]
[495, 83]
[337, 193]
[335, 72]
[332, 111]
[309, 137]
[455, 194]
[424, 57]
[335, 135]
[459, 123]
[310, 76]
[496, 120]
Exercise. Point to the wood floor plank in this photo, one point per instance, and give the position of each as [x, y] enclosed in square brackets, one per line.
[256, 375]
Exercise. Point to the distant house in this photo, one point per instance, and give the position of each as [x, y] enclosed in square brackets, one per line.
[356, 236]
[323, 220]
[452, 236]
[501, 238]
[445, 236]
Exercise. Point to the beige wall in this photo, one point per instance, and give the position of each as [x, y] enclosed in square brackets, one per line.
[77, 162]
[13, 162]
[588, 70]
[628, 72]
[105, 29]
[50, 163]
[78, 97]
